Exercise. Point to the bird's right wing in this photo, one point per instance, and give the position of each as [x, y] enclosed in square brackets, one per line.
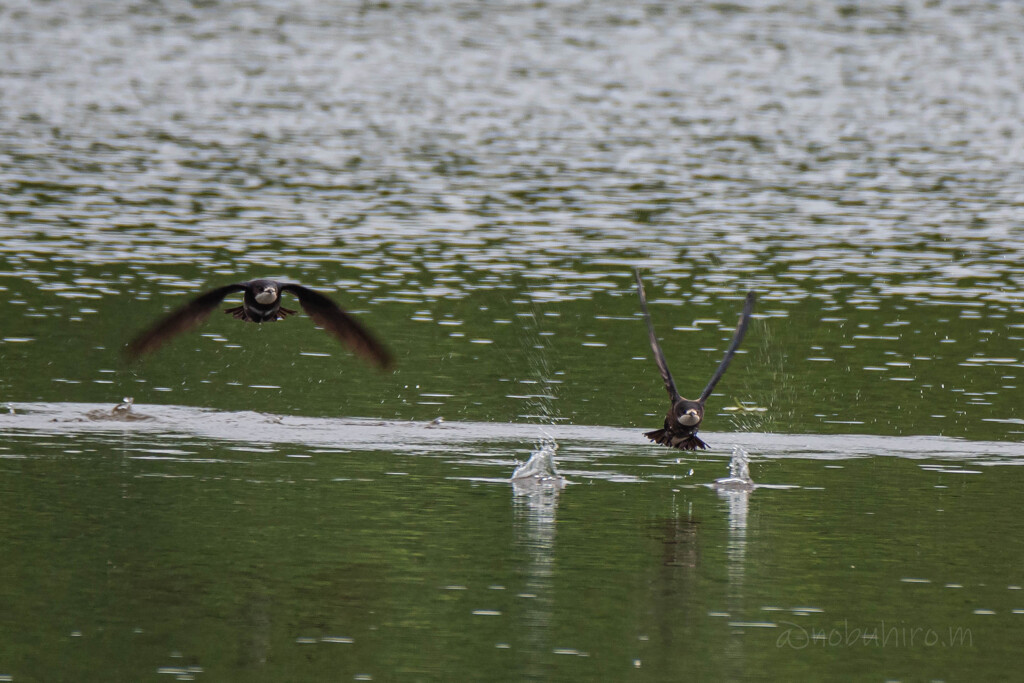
[180, 320]
[659, 357]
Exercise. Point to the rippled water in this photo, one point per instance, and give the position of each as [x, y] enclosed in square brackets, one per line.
[249, 546]
[476, 182]
[453, 169]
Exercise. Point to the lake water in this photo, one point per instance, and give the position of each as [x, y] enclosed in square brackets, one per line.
[476, 182]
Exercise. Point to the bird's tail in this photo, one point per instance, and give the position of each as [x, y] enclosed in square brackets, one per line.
[683, 443]
[237, 312]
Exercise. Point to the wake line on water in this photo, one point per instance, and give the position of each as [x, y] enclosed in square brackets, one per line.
[418, 437]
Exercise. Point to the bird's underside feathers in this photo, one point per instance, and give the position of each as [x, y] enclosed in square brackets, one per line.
[684, 442]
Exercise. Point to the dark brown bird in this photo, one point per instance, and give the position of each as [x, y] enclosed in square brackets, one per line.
[261, 302]
[685, 415]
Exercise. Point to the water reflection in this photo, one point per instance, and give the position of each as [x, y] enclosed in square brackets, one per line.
[735, 490]
[675, 586]
[535, 493]
[255, 645]
[679, 541]
[738, 501]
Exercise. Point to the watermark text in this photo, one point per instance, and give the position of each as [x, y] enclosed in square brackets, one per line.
[799, 636]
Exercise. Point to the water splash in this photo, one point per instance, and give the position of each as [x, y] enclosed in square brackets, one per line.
[540, 467]
[739, 472]
[767, 404]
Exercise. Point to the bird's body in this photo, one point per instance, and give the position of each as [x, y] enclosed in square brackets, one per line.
[681, 425]
[261, 302]
[686, 415]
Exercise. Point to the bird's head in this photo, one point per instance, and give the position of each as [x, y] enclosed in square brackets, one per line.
[266, 293]
[689, 413]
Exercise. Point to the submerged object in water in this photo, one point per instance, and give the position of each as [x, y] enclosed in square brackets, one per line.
[122, 412]
[261, 302]
[685, 416]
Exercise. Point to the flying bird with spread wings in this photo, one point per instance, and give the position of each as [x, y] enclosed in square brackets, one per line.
[261, 302]
[685, 416]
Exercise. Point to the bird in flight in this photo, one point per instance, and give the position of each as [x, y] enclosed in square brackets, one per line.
[261, 302]
[685, 415]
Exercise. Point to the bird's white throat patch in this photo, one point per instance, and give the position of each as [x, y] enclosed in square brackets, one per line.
[267, 296]
[689, 418]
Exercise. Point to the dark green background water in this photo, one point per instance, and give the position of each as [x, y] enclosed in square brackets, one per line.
[476, 182]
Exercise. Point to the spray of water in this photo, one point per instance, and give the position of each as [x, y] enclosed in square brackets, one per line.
[739, 472]
[764, 408]
[540, 467]
[540, 401]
